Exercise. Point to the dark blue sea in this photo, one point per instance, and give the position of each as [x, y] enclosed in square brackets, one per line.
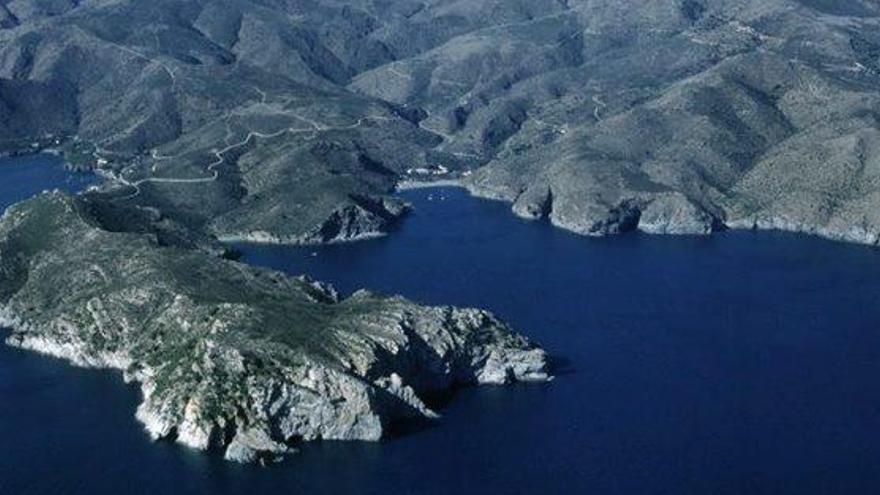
[22, 177]
[738, 364]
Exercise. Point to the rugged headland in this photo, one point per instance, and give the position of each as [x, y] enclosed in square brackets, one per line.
[229, 356]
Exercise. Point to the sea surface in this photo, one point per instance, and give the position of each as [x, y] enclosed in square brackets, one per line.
[25, 176]
[740, 363]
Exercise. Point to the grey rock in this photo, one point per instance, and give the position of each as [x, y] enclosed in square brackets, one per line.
[675, 214]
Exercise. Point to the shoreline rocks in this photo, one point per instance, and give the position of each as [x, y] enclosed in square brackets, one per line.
[664, 214]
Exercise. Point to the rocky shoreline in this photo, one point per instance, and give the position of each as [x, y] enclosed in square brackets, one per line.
[670, 214]
[409, 184]
[318, 401]
[365, 218]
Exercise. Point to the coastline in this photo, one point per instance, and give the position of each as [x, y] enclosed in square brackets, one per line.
[854, 236]
[266, 239]
[410, 184]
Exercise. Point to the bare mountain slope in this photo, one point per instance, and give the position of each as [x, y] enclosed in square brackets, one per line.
[292, 121]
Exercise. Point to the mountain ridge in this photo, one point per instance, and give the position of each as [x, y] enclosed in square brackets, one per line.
[699, 108]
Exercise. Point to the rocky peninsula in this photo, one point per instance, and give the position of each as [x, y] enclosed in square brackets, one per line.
[228, 356]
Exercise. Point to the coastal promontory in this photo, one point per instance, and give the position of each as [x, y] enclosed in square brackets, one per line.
[228, 356]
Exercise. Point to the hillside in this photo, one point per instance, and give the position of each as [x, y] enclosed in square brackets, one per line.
[291, 121]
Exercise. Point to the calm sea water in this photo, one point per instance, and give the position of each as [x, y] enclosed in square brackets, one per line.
[737, 364]
[22, 177]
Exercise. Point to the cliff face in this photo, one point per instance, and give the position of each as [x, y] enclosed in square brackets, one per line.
[688, 117]
[363, 218]
[233, 357]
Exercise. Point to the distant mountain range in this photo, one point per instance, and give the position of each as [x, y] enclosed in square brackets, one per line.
[291, 121]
